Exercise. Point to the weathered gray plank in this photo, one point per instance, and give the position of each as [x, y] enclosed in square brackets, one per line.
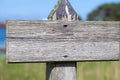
[33, 51]
[58, 31]
[46, 41]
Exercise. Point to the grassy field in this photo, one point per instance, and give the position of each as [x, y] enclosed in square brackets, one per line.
[36, 71]
[24, 71]
[98, 71]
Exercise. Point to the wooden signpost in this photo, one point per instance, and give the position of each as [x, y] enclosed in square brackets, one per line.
[49, 41]
[56, 41]
[62, 43]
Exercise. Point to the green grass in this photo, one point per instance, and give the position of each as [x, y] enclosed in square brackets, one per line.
[98, 70]
[31, 71]
[36, 71]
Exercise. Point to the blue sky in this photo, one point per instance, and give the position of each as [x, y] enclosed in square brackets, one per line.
[40, 9]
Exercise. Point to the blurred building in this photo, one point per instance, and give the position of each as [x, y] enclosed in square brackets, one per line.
[2, 24]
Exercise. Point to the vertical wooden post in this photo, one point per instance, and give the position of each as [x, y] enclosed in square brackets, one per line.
[62, 70]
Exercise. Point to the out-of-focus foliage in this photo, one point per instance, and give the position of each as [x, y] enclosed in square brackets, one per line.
[79, 18]
[106, 12]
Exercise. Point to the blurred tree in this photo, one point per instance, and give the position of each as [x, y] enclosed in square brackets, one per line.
[79, 17]
[106, 12]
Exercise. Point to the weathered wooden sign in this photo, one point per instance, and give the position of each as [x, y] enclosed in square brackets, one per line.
[46, 41]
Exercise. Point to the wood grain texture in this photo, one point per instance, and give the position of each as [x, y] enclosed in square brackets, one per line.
[61, 71]
[56, 31]
[46, 41]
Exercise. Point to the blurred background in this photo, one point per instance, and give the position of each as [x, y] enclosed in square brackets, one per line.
[88, 10]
